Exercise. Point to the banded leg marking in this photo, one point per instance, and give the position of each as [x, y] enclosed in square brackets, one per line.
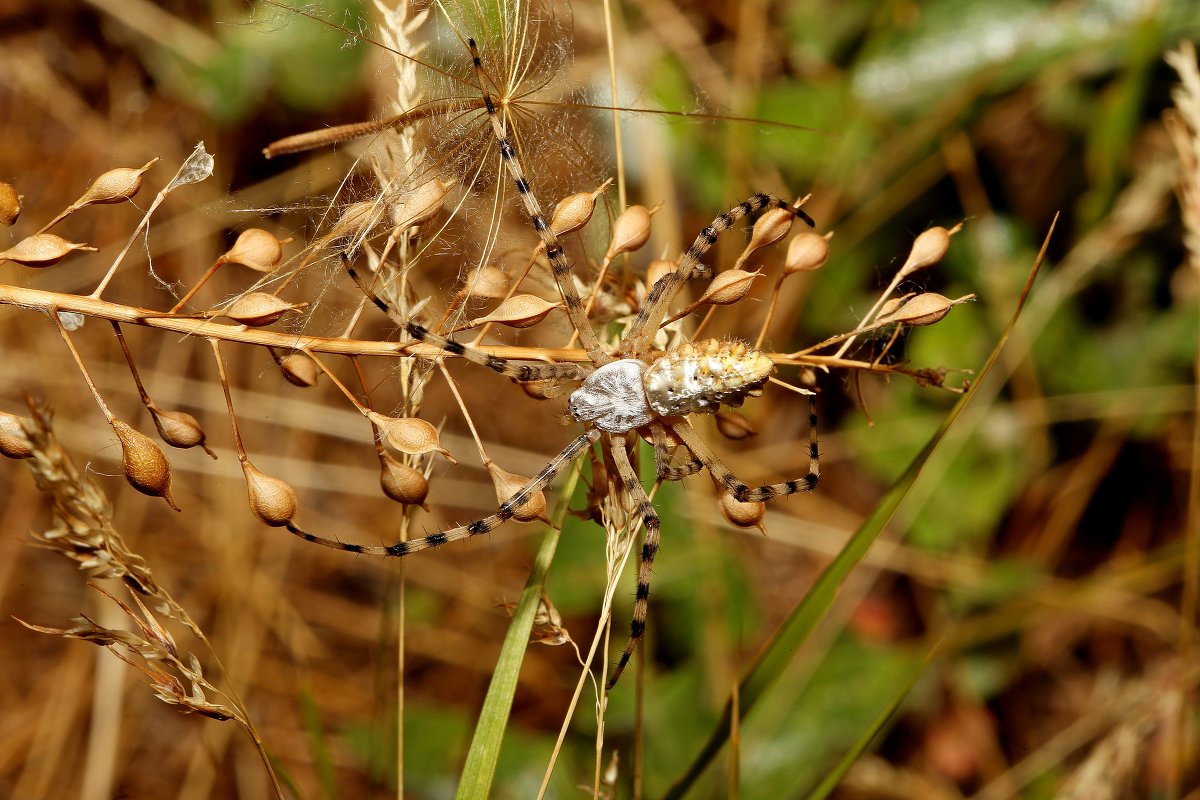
[663, 455]
[741, 491]
[560, 265]
[476, 528]
[640, 501]
[654, 310]
[520, 372]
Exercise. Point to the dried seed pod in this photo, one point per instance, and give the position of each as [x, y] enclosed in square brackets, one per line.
[924, 309]
[658, 268]
[257, 249]
[146, 467]
[10, 204]
[772, 226]
[410, 435]
[299, 370]
[928, 249]
[421, 205]
[271, 500]
[486, 282]
[734, 426]
[179, 429]
[575, 211]
[257, 309]
[114, 186]
[402, 483]
[14, 442]
[630, 231]
[728, 287]
[807, 251]
[892, 305]
[355, 219]
[42, 250]
[508, 484]
[743, 515]
[518, 311]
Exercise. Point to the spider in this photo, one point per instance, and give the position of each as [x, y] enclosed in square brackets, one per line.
[625, 393]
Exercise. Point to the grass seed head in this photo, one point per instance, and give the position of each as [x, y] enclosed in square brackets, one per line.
[10, 205]
[257, 249]
[146, 467]
[402, 483]
[271, 500]
[42, 250]
[14, 442]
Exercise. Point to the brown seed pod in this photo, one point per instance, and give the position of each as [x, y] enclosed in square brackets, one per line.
[924, 309]
[14, 442]
[42, 250]
[807, 251]
[257, 309]
[486, 282]
[575, 211]
[410, 435]
[772, 226]
[928, 249]
[271, 500]
[421, 205]
[728, 287]
[146, 467]
[10, 204]
[402, 483]
[257, 249]
[743, 515]
[179, 429]
[518, 311]
[354, 220]
[299, 370]
[508, 484]
[734, 426]
[630, 231]
[114, 186]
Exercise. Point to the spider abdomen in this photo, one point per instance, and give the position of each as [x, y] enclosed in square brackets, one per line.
[698, 377]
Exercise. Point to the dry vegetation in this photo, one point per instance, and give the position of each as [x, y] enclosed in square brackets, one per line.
[1024, 627]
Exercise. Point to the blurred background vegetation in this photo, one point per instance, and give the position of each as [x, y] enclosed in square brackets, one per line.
[1043, 547]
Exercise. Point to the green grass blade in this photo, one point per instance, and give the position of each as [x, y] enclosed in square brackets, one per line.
[793, 632]
[834, 776]
[480, 768]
